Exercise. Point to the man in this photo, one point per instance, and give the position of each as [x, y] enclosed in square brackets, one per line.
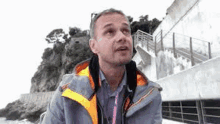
[108, 88]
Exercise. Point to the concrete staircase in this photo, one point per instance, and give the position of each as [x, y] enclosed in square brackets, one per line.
[146, 40]
[190, 94]
[183, 56]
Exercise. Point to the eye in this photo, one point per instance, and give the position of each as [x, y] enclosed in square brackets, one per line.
[126, 31]
[110, 32]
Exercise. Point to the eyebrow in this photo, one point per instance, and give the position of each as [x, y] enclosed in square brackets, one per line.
[109, 25]
[126, 24]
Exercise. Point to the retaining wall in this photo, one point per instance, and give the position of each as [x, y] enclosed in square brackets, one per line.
[199, 82]
[37, 98]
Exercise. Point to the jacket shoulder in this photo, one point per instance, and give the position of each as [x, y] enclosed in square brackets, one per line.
[77, 83]
[143, 81]
[66, 80]
[156, 85]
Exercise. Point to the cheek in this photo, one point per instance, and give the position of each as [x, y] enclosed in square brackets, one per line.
[106, 47]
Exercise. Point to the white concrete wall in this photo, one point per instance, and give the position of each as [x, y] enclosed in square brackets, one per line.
[175, 13]
[200, 82]
[166, 62]
[148, 58]
[196, 18]
[150, 70]
[166, 121]
[137, 58]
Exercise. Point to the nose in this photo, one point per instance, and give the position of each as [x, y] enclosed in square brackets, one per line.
[121, 37]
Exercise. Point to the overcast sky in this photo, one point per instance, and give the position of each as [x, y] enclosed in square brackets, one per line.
[24, 25]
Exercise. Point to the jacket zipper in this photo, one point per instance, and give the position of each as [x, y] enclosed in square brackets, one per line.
[123, 113]
[101, 112]
[151, 90]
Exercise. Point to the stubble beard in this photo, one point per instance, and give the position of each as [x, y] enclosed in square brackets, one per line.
[122, 62]
[116, 60]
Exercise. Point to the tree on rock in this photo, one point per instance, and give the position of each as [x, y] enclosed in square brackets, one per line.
[55, 36]
[145, 24]
[73, 31]
[155, 24]
[143, 18]
[130, 19]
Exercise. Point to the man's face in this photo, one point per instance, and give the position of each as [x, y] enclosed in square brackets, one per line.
[113, 39]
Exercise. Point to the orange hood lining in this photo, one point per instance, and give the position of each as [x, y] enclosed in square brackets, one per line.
[141, 79]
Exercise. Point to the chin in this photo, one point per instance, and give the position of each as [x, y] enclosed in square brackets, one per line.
[124, 61]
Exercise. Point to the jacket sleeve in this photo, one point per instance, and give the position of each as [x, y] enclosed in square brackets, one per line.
[55, 111]
[158, 114]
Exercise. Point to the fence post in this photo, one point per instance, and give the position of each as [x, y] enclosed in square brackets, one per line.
[181, 107]
[191, 52]
[155, 46]
[174, 49]
[161, 37]
[170, 111]
[199, 112]
[210, 55]
[203, 112]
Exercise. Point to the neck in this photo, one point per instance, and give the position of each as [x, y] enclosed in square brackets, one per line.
[113, 74]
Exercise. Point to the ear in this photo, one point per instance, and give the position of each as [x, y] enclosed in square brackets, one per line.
[93, 45]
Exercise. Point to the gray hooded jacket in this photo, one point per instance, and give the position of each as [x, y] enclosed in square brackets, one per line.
[74, 101]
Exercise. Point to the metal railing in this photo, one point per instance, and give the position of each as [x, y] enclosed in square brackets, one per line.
[145, 39]
[194, 49]
[196, 111]
[187, 47]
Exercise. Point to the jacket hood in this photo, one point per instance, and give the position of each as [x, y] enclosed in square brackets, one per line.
[94, 71]
[133, 74]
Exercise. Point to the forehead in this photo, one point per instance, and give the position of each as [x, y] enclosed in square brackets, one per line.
[111, 18]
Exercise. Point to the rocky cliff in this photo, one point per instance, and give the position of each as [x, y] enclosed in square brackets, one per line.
[56, 62]
[59, 61]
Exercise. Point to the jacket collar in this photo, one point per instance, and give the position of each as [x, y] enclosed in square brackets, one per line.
[93, 64]
[130, 70]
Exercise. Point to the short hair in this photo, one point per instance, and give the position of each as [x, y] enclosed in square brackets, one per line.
[107, 11]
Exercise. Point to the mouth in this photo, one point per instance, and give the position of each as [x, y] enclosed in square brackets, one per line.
[122, 48]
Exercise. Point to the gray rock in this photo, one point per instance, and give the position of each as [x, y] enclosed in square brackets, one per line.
[56, 62]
